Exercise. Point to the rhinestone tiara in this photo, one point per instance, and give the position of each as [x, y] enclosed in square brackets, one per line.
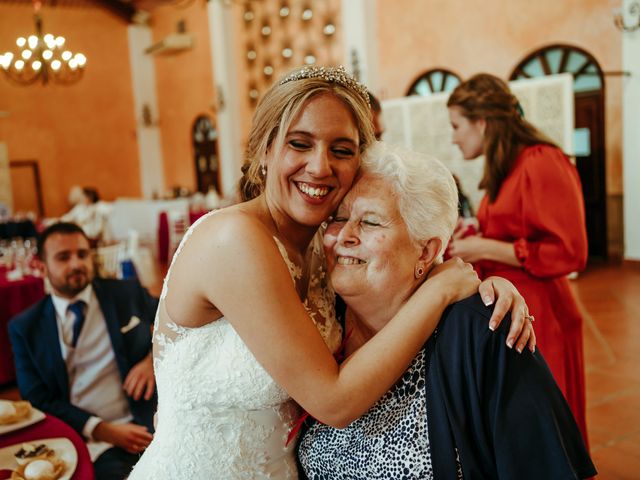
[330, 74]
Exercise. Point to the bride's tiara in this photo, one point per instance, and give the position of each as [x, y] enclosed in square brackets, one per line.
[330, 74]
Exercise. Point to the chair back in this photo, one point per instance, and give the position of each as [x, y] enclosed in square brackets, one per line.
[178, 225]
[109, 260]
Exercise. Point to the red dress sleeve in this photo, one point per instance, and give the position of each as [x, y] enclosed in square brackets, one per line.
[555, 241]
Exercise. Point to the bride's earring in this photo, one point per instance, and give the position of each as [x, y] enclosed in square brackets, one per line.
[263, 170]
[418, 272]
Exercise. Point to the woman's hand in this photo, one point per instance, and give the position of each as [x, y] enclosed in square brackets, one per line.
[475, 248]
[456, 279]
[470, 249]
[521, 333]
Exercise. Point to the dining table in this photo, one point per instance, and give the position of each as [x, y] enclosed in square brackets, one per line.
[48, 428]
[15, 296]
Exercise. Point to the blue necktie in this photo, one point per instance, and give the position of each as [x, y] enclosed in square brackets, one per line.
[78, 309]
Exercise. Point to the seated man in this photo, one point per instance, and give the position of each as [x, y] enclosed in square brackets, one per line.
[83, 353]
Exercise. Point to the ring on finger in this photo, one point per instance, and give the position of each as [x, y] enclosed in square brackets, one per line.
[531, 318]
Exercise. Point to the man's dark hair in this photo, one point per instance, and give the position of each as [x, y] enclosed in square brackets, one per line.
[375, 103]
[65, 228]
[92, 194]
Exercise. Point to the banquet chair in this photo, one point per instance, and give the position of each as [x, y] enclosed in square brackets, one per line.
[178, 225]
[143, 260]
[109, 260]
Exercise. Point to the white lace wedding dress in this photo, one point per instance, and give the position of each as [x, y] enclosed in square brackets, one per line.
[220, 414]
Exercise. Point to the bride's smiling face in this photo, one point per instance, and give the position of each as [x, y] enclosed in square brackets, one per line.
[368, 247]
[309, 176]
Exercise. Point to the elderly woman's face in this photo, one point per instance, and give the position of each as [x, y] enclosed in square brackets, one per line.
[317, 163]
[367, 245]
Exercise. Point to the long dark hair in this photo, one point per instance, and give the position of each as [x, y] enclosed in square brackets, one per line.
[486, 96]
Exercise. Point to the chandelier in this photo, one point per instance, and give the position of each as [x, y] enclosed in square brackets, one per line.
[42, 57]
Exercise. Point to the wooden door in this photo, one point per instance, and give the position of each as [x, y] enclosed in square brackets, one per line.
[205, 149]
[589, 108]
[26, 187]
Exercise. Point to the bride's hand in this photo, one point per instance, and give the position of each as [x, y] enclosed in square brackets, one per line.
[521, 333]
[456, 279]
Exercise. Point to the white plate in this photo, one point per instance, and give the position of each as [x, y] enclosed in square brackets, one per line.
[34, 417]
[62, 447]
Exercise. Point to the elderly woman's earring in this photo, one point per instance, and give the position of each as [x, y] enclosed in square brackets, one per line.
[419, 271]
[263, 170]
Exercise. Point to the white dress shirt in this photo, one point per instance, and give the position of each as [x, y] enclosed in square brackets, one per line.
[95, 384]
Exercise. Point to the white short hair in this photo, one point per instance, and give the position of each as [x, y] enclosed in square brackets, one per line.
[427, 192]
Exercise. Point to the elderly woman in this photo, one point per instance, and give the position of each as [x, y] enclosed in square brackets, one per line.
[467, 407]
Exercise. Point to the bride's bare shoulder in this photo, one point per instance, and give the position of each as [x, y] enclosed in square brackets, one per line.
[235, 226]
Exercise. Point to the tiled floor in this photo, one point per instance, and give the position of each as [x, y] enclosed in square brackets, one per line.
[609, 296]
[610, 301]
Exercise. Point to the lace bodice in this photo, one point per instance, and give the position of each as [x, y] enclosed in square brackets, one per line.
[220, 414]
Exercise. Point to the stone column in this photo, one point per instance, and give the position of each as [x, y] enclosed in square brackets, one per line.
[145, 100]
[359, 23]
[230, 149]
[631, 136]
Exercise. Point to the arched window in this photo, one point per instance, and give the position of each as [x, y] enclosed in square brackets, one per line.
[434, 81]
[587, 75]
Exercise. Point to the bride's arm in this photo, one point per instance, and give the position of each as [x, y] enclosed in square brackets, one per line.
[242, 273]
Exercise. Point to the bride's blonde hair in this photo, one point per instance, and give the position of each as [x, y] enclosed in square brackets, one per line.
[283, 102]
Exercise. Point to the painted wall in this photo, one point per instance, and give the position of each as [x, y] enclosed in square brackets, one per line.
[86, 134]
[82, 134]
[469, 36]
[302, 36]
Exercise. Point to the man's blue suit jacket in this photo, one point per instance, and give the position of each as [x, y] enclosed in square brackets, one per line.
[41, 371]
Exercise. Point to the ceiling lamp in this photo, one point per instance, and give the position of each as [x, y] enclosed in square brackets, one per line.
[42, 57]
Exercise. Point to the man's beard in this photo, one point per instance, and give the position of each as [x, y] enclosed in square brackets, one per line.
[74, 283]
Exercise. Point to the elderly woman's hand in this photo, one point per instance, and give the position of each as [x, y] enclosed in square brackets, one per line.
[521, 333]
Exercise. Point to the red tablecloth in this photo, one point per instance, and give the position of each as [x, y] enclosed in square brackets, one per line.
[52, 427]
[14, 298]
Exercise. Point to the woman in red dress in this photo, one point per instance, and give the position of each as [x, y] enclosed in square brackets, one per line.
[531, 221]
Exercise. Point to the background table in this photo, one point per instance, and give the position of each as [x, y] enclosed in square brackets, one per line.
[52, 427]
[141, 216]
[15, 296]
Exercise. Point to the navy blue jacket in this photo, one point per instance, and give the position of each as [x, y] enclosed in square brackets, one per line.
[502, 410]
[41, 371]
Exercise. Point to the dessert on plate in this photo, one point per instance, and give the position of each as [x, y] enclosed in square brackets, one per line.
[13, 412]
[37, 462]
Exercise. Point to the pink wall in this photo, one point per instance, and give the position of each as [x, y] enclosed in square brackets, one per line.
[81, 134]
[469, 36]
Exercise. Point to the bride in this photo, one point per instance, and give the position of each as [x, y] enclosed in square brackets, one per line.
[246, 319]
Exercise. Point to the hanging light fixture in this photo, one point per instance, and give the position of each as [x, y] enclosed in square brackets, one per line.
[42, 57]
